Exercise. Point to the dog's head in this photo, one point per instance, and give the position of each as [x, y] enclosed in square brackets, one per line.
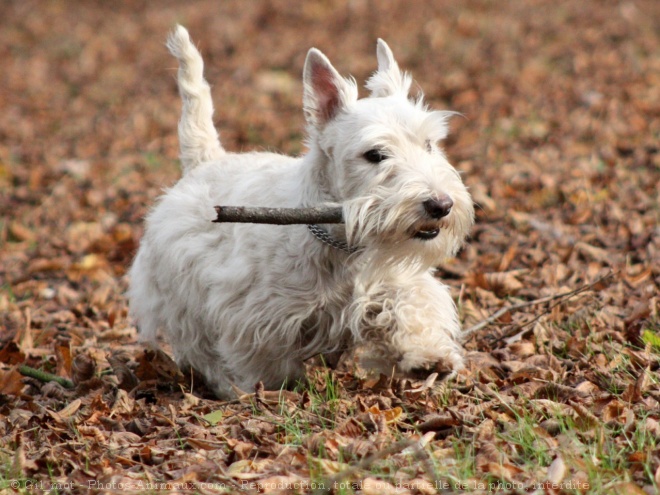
[382, 161]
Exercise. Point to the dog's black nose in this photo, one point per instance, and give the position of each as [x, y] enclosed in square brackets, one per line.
[438, 207]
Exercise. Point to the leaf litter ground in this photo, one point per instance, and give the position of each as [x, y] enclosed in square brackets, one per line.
[560, 146]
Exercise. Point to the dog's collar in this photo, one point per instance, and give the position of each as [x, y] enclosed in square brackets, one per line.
[326, 238]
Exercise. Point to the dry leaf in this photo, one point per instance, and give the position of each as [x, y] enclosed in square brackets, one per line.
[504, 470]
[83, 368]
[11, 354]
[419, 444]
[374, 486]
[626, 488]
[64, 360]
[63, 415]
[501, 283]
[154, 364]
[240, 448]
[11, 381]
[556, 470]
[389, 415]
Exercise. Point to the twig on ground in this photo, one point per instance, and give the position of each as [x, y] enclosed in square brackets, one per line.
[279, 216]
[44, 376]
[502, 311]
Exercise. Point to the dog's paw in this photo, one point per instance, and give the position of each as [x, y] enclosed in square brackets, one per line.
[446, 367]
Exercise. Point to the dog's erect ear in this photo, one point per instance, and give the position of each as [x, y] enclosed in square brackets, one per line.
[385, 57]
[325, 91]
[388, 79]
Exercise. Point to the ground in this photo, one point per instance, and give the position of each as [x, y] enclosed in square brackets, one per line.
[558, 140]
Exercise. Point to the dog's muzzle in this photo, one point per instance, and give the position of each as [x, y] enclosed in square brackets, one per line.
[436, 208]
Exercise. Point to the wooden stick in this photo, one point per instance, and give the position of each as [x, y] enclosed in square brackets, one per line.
[500, 312]
[279, 216]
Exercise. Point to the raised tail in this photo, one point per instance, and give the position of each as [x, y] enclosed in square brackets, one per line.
[198, 138]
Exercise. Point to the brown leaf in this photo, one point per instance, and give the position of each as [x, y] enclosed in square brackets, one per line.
[626, 488]
[437, 422]
[522, 349]
[54, 389]
[20, 233]
[374, 486]
[420, 444]
[415, 393]
[586, 420]
[11, 381]
[240, 448]
[276, 397]
[639, 278]
[63, 358]
[201, 444]
[325, 442]
[41, 265]
[280, 484]
[154, 364]
[508, 257]
[119, 362]
[93, 266]
[614, 411]
[123, 403]
[389, 415]
[501, 283]
[594, 253]
[351, 428]
[11, 354]
[66, 413]
[486, 431]
[487, 454]
[503, 471]
[92, 431]
[652, 427]
[360, 448]
[329, 467]
[83, 368]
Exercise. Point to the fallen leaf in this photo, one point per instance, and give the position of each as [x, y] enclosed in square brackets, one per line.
[374, 486]
[389, 415]
[214, 417]
[11, 381]
[11, 354]
[626, 488]
[63, 357]
[501, 283]
[67, 412]
[240, 448]
[556, 470]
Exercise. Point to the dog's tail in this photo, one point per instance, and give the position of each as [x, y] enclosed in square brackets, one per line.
[198, 137]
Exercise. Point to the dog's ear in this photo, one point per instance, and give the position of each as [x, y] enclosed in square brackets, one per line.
[385, 57]
[388, 79]
[325, 91]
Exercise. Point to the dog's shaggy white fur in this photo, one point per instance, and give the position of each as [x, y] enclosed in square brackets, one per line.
[244, 303]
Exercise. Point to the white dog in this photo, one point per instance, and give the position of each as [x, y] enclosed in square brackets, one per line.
[244, 303]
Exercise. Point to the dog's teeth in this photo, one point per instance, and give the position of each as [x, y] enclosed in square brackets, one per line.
[427, 235]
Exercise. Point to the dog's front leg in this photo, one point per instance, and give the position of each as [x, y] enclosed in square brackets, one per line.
[410, 327]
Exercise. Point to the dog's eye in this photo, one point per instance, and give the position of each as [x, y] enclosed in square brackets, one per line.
[427, 143]
[374, 156]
